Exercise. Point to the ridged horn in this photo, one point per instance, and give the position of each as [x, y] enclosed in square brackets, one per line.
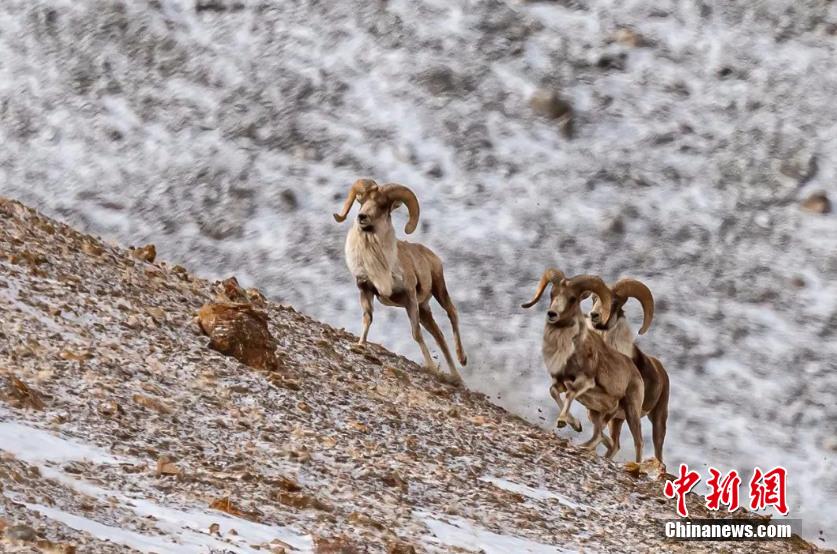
[400, 193]
[631, 288]
[594, 284]
[551, 275]
[359, 188]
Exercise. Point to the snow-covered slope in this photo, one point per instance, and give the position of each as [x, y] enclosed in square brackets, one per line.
[227, 132]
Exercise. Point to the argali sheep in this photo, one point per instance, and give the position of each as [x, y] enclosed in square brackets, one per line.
[617, 333]
[581, 364]
[397, 272]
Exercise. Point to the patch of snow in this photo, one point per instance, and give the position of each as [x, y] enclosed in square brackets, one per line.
[132, 539]
[35, 446]
[189, 526]
[531, 492]
[461, 533]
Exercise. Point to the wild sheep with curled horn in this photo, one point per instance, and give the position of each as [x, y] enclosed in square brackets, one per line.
[582, 365]
[617, 333]
[399, 273]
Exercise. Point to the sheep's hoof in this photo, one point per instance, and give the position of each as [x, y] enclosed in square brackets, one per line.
[560, 423]
[576, 426]
[453, 379]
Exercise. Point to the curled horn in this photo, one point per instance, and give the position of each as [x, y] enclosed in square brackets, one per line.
[631, 288]
[400, 193]
[595, 285]
[359, 188]
[551, 275]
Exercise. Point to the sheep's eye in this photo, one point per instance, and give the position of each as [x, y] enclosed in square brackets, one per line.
[573, 299]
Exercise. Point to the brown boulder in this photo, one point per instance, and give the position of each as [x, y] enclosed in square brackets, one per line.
[20, 395]
[229, 290]
[147, 253]
[400, 547]
[552, 105]
[336, 545]
[818, 203]
[239, 330]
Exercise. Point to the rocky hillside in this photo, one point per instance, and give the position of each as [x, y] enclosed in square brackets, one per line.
[121, 430]
[683, 143]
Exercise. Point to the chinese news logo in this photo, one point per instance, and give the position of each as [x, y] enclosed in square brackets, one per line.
[766, 489]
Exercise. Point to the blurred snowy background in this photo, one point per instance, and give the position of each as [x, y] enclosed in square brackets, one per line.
[682, 143]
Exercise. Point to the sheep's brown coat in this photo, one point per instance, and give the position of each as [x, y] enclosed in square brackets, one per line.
[617, 333]
[398, 273]
[582, 365]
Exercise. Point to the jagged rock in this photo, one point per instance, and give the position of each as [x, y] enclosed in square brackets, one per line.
[400, 547]
[226, 505]
[240, 331]
[166, 467]
[288, 484]
[336, 545]
[443, 80]
[393, 479]
[110, 408]
[802, 167]
[49, 547]
[818, 203]
[181, 272]
[616, 226]
[289, 200]
[147, 253]
[256, 297]
[614, 61]
[21, 395]
[552, 105]
[302, 501]
[630, 38]
[90, 247]
[229, 290]
[20, 533]
[151, 403]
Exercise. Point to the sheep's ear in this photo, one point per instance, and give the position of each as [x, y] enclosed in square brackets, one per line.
[395, 205]
[586, 294]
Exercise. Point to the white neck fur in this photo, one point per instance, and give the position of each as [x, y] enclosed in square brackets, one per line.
[559, 345]
[620, 337]
[374, 257]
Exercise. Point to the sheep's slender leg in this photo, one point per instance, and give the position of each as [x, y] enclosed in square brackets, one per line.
[575, 388]
[427, 321]
[413, 313]
[440, 292]
[366, 299]
[615, 432]
[632, 404]
[555, 391]
[659, 417]
[596, 418]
